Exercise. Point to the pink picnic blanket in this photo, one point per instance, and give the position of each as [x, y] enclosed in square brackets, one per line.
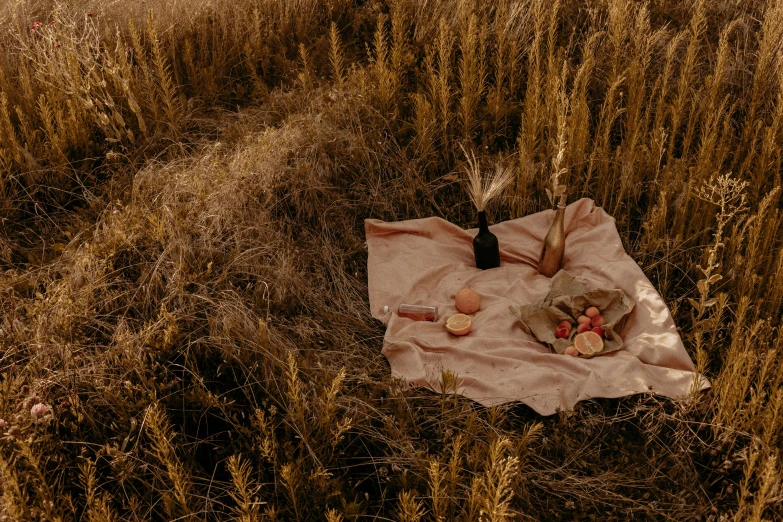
[426, 261]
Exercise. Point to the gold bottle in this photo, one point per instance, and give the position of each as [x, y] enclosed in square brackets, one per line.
[554, 244]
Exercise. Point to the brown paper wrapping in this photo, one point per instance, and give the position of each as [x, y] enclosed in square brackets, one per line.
[567, 299]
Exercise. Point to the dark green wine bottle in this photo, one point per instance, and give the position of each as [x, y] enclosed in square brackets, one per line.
[485, 245]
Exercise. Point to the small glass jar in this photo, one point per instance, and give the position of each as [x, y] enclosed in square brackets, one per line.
[418, 312]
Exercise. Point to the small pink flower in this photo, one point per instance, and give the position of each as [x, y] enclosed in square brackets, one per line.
[39, 410]
[35, 26]
[89, 15]
[51, 23]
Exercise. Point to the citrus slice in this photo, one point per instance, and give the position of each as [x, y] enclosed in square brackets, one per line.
[459, 324]
[588, 343]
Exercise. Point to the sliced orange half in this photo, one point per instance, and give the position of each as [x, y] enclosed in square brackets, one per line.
[589, 343]
[459, 324]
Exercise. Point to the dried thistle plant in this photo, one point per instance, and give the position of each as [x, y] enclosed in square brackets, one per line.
[727, 193]
[483, 190]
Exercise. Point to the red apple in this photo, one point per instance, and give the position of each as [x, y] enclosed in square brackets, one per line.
[562, 332]
[599, 331]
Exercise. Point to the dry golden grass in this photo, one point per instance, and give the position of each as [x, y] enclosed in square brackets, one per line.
[185, 331]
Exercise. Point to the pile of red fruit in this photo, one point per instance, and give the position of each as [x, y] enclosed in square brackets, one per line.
[590, 321]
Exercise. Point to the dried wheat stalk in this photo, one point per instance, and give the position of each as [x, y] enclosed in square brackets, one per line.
[483, 190]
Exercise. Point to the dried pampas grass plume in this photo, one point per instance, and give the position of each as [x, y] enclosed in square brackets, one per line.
[480, 190]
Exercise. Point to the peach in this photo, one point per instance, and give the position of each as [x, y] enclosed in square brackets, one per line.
[584, 327]
[592, 312]
[583, 319]
[598, 320]
[599, 331]
[562, 332]
[571, 351]
[565, 324]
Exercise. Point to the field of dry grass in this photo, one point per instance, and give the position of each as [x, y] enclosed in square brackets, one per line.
[184, 328]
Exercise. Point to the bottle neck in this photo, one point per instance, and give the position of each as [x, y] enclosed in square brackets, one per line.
[560, 211]
[483, 227]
